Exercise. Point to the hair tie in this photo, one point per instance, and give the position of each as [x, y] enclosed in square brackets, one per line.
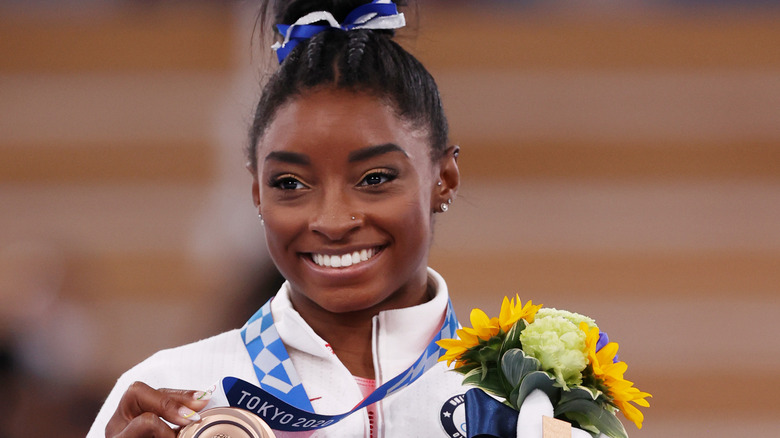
[379, 14]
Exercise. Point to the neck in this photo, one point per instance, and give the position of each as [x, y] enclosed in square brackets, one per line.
[350, 334]
[351, 341]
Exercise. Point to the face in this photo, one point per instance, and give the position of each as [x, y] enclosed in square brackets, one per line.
[347, 192]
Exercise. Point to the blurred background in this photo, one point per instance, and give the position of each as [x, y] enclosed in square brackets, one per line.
[619, 158]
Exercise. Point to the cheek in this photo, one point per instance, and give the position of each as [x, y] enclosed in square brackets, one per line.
[412, 221]
[280, 230]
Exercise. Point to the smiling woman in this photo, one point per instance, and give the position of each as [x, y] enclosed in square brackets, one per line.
[350, 163]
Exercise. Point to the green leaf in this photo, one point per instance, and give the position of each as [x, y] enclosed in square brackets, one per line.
[466, 368]
[591, 416]
[489, 382]
[516, 365]
[512, 337]
[580, 392]
[486, 351]
[536, 380]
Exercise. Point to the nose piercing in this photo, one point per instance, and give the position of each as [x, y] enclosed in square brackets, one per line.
[353, 218]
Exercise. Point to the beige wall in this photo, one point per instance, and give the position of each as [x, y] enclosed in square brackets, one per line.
[622, 164]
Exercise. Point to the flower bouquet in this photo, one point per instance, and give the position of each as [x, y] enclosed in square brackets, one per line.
[561, 353]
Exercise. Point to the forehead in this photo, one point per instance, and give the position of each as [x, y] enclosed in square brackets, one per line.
[337, 122]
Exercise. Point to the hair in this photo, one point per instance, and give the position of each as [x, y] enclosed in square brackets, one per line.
[360, 61]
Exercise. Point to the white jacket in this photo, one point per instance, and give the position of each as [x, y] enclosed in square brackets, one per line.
[432, 406]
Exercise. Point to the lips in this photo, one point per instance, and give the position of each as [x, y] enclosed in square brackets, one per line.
[345, 259]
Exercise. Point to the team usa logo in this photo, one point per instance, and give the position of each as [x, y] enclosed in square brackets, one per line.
[453, 416]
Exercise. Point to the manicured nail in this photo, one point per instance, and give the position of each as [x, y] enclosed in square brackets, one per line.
[188, 414]
[203, 395]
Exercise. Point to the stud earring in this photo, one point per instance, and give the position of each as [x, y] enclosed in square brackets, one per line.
[444, 207]
[438, 183]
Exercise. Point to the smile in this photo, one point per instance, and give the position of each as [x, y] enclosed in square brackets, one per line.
[344, 260]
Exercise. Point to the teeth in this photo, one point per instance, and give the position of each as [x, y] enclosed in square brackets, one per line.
[344, 260]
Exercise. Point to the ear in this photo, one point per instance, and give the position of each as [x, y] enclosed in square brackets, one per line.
[255, 185]
[449, 175]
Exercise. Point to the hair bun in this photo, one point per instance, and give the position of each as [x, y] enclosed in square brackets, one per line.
[377, 15]
[287, 12]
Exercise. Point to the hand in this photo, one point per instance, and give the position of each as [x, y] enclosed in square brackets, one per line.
[142, 409]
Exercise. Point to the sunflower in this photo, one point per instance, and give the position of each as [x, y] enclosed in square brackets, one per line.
[456, 348]
[484, 328]
[605, 369]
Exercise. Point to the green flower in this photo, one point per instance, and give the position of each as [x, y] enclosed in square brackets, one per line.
[559, 345]
[575, 318]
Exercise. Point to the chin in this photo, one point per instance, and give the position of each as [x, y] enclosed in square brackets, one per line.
[348, 303]
[343, 300]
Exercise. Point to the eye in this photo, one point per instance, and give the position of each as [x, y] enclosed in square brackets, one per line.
[376, 177]
[287, 182]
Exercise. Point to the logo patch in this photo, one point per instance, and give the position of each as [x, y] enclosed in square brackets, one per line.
[453, 416]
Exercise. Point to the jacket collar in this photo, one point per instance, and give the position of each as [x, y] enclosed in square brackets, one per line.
[400, 335]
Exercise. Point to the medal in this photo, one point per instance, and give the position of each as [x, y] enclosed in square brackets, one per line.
[227, 423]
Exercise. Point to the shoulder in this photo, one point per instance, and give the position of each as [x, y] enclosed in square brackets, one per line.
[222, 343]
[193, 365]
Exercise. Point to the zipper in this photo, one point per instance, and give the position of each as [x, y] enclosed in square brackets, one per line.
[379, 427]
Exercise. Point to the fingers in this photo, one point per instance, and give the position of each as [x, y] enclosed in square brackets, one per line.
[144, 425]
[141, 408]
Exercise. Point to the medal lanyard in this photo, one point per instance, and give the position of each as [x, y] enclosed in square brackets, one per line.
[281, 400]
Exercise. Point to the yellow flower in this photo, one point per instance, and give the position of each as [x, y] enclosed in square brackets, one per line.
[484, 328]
[457, 347]
[512, 311]
[622, 391]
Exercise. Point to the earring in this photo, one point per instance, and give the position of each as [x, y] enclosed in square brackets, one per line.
[444, 207]
[439, 183]
[262, 222]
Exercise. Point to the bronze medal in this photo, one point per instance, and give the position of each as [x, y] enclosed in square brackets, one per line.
[227, 423]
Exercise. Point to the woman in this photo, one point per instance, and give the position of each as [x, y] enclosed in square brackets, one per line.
[350, 163]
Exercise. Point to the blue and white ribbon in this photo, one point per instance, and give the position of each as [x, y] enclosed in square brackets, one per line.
[379, 14]
[281, 400]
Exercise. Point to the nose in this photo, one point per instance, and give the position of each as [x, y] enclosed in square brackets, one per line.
[335, 217]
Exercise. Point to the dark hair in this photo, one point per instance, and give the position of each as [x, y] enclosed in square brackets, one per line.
[361, 61]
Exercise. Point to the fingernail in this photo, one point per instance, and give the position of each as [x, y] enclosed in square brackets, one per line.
[188, 414]
[203, 395]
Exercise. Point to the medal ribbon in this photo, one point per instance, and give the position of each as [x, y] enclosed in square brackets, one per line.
[281, 400]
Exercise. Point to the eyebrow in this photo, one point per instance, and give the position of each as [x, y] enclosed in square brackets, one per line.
[373, 151]
[288, 157]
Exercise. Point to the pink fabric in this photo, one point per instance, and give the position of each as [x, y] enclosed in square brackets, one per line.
[367, 386]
